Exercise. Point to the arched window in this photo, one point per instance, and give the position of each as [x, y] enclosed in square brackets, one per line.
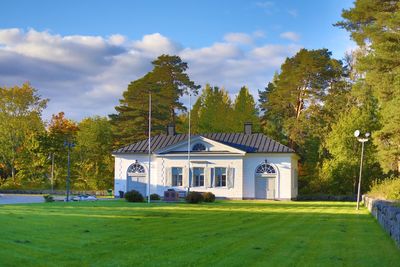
[265, 169]
[199, 147]
[136, 168]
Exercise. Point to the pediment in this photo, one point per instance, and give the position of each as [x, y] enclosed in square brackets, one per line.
[200, 142]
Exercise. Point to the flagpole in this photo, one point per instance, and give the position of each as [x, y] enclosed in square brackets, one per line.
[190, 106]
[148, 178]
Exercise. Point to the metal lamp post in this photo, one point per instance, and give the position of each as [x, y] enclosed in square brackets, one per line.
[188, 148]
[68, 145]
[362, 140]
[149, 148]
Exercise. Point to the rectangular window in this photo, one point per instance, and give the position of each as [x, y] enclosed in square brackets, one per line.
[176, 176]
[198, 176]
[220, 177]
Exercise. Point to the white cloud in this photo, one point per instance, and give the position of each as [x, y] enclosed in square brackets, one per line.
[156, 44]
[239, 38]
[291, 36]
[86, 75]
[116, 39]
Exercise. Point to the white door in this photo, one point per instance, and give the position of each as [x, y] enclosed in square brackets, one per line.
[265, 188]
[137, 183]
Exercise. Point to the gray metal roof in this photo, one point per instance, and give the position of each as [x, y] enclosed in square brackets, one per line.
[251, 143]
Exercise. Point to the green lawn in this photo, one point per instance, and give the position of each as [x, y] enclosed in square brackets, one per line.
[229, 233]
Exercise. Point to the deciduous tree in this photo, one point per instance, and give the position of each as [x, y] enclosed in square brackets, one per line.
[93, 160]
[20, 116]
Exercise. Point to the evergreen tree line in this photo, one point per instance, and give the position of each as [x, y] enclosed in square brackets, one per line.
[313, 104]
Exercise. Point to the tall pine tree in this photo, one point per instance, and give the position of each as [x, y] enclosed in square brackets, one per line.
[245, 110]
[293, 106]
[167, 82]
[374, 25]
[212, 111]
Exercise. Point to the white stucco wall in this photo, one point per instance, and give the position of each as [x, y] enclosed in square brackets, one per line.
[161, 163]
[283, 182]
[122, 162]
[244, 182]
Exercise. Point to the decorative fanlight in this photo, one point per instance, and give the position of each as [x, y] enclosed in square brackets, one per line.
[199, 147]
[265, 168]
[136, 168]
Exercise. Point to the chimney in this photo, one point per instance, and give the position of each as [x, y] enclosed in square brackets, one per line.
[171, 129]
[248, 128]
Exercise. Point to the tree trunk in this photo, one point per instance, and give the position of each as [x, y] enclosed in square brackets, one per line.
[13, 173]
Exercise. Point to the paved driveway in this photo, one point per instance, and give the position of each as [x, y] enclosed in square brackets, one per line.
[14, 199]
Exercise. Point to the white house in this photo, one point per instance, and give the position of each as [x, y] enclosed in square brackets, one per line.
[230, 165]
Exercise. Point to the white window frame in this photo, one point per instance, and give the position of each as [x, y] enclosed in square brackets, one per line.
[178, 176]
[215, 177]
[194, 177]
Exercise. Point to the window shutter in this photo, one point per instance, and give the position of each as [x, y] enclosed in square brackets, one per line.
[168, 181]
[208, 178]
[212, 177]
[185, 178]
[231, 177]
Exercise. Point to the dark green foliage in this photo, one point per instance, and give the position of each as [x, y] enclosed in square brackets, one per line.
[167, 82]
[212, 111]
[245, 110]
[296, 93]
[341, 170]
[134, 196]
[208, 197]
[374, 25]
[155, 197]
[194, 197]
[93, 162]
[294, 111]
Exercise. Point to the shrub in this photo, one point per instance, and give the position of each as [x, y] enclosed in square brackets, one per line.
[388, 189]
[155, 197]
[194, 197]
[134, 196]
[48, 198]
[208, 197]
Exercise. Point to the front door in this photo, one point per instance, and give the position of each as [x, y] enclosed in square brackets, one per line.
[137, 183]
[265, 188]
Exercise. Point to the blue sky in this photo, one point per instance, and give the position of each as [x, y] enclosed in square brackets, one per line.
[82, 54]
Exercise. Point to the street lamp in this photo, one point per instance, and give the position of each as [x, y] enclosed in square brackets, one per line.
[68, 145]
[362, 140]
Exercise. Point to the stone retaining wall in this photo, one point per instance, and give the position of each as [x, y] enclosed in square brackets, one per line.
[387, 214]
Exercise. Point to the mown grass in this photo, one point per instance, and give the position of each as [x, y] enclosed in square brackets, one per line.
[227, 233]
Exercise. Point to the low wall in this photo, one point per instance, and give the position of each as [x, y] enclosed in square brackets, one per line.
[387, 214]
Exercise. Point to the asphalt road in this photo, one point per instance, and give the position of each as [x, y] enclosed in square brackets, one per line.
[15, 199]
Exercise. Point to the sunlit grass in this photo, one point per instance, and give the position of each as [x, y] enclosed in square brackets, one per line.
[227, 233]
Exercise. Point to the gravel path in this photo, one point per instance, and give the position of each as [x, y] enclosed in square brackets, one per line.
[14, 199]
